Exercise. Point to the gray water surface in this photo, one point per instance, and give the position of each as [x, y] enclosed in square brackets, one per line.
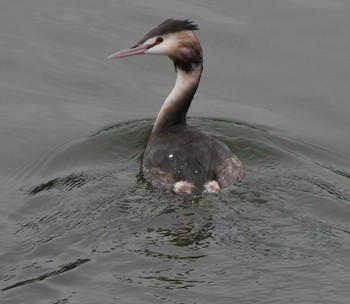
[78, 222]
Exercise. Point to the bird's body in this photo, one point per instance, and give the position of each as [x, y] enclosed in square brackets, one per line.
[178, 158]
[185, 155]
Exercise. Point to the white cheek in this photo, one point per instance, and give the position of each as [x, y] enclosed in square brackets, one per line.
[164, 48]
[150, 41]
[159, 49]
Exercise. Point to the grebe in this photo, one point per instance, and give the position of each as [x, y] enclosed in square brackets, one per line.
[176, 157]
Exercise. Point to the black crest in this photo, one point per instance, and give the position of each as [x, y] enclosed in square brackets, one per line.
[170, 26]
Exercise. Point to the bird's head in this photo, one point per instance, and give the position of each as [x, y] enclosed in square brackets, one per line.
[172, 38]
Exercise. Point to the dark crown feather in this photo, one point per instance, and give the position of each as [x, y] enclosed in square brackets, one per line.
[170, 26]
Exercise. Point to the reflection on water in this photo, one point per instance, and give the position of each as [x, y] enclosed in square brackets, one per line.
[78, 222]
[88, 204]
[63, 268]
[66, 184]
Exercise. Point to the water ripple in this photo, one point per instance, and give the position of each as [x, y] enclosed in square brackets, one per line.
[88, 199]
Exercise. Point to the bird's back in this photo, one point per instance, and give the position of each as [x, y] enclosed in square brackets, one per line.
[186, 155]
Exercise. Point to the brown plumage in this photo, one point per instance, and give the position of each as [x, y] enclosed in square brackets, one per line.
[178, 158]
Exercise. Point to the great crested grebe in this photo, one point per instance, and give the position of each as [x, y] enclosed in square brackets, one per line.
[178, 158]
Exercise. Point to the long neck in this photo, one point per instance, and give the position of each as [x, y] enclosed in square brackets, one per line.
[176, 105]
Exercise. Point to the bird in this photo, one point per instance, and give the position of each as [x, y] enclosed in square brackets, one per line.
[177, 157]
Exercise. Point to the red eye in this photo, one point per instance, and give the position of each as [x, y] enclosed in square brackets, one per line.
[159, 39]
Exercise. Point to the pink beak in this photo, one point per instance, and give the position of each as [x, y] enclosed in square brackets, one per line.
[130, 52]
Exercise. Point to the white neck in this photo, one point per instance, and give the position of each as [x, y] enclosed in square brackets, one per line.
[175, 107]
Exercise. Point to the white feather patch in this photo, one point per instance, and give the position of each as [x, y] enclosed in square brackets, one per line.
[212, 187]
[183, 187]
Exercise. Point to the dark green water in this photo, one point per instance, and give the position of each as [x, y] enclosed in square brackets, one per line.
[77, 222]
[87, 217]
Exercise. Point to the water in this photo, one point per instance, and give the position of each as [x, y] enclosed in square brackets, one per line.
[79, 224]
